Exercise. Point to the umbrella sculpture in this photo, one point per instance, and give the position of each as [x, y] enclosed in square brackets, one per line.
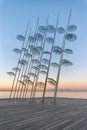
[35, 60]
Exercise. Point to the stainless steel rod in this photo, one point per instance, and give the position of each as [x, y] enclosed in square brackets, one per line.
[43, 45]
[61, 56]
[10, 96]
[50, 60]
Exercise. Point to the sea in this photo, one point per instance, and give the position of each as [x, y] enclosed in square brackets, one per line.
[78, 95]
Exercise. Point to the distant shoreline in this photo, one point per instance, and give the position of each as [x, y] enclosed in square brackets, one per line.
[60, 90]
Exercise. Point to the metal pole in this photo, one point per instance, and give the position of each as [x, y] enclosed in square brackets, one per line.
[33, 86]
[50, 60]
[23, 67]
[61, 56]
[43, 45]
[10, 96]
[26, 87]
[19, 74]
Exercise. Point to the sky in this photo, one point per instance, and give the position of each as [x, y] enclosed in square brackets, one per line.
[14, 15]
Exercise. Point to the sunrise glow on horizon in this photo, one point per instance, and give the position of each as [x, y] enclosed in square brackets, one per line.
[14, 17]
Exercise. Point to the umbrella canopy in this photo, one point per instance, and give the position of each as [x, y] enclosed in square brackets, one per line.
[11, 73]
[34, 67]
[36, 51]
[21, 82]
[35, 61]
[25, 76]
[32, 74]
[43, 72]
[27, 54]
[46, 52]
[16, 50]
[61, 30]
[51, 81]
[68, 51]
[31, 47]
[57, 50]
[55, 65]
[28, 81]
[25, 50]
[23, 62]
[38, 37]
[50, 29]
[16, 69]
[49, 40]
[65, 62]
[57, 47]
[20, 37]
[40, 84]
[72, 28]
[39, 48]
[31, 39]
[42, 29]
[70, 37]
[43, 67]
[45, 61]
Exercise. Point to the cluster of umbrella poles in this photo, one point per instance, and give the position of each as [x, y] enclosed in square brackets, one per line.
[34, 61]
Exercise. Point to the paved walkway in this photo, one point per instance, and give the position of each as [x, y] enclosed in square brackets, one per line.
[68, 114]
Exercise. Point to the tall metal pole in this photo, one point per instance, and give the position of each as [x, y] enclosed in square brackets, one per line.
[28, 73]
[60, 61]
[27, 44]
[19, 74]
[43, 45]
[10, 96]
[26, 86]
[33, 84]
[50, 60]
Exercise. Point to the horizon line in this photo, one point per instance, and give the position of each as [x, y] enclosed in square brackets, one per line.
[60, 89]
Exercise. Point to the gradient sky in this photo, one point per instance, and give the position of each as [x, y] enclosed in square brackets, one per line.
[14, 15]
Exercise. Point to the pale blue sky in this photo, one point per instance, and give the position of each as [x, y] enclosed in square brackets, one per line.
[14, 15]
